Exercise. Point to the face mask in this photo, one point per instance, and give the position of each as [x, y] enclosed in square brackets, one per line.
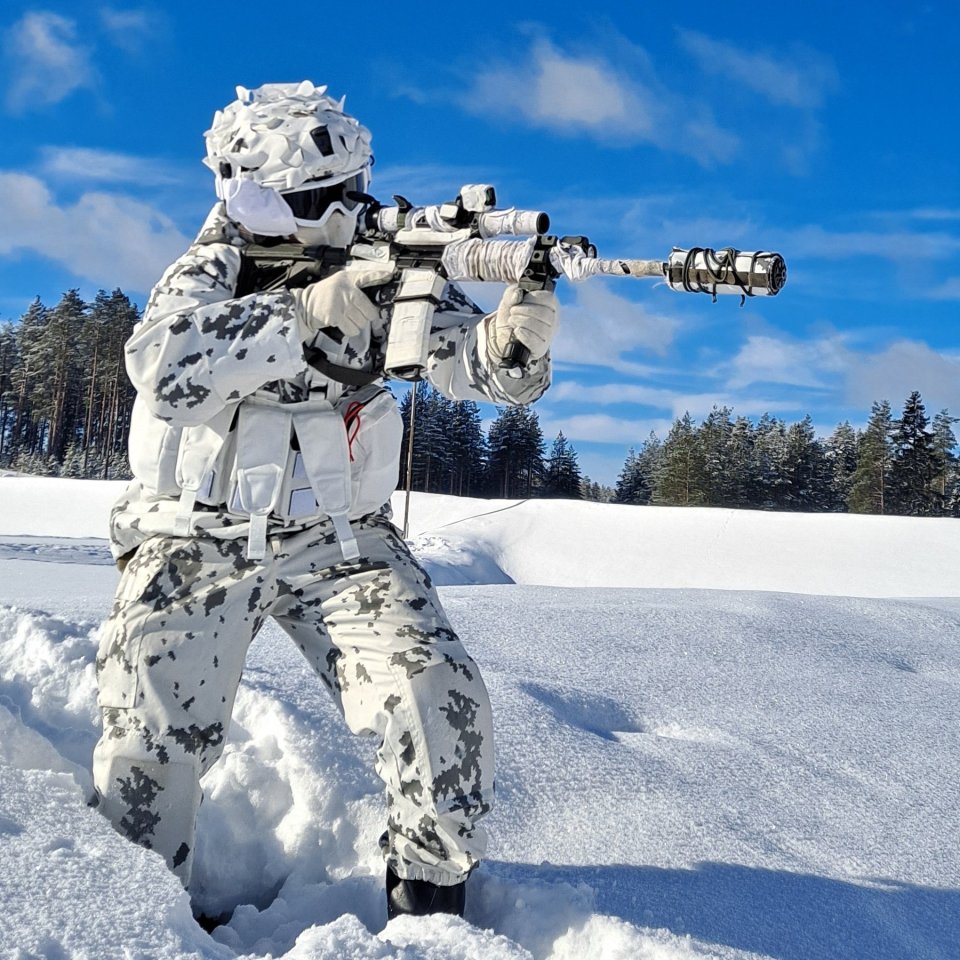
[260, 209]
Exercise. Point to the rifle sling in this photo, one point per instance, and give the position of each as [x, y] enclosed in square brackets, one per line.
[272, 266]
[348, 375]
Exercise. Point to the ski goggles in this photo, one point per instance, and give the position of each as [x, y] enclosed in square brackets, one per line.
[312, 202]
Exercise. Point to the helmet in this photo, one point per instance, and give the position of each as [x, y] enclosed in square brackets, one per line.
[289, 140]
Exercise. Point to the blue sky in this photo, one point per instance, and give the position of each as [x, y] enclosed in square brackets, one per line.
[827, 134]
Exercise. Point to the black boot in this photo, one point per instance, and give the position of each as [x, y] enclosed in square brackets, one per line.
[418, 897]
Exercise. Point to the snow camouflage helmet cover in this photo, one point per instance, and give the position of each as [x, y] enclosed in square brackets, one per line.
[281, 135]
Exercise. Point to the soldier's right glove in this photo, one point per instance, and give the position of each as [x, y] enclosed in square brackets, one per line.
[339, 301]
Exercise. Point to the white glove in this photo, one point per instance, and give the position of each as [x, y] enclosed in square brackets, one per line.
[529, 317]
[339, 301]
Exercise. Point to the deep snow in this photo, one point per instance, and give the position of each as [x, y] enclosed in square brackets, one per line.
[720, 734]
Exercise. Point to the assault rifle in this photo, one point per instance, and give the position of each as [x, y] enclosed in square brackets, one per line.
[426, 246]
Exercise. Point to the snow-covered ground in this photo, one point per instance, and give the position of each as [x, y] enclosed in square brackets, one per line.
[720, 734]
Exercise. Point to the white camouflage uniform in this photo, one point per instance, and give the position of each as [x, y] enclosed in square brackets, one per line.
[261, 489]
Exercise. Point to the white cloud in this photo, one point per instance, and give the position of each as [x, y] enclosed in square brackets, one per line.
[902, 367]
[565, 93]
[676, 402]
[839, 372]
[602, 428]
[575, 95]
[84, 163]
[948, 290]
[801, 80]
[600, 327]
[935, 213]
[610, 394]
[130, 29]
[105, 239]
[698, 405]
[897, 245]
[47, 62]
[778, 359]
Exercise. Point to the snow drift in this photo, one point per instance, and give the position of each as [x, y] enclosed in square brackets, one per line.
[720, 734]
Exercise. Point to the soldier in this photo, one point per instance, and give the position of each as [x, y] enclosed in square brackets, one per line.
[261, 488]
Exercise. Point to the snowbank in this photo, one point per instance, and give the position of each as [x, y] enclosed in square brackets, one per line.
[575, 543]
[683, 773]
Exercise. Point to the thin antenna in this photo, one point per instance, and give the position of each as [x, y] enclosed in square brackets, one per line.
[410, 436]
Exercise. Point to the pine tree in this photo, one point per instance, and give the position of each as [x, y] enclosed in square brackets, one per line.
[597, 492]
[914, 461]
[946, 481]
[680, 479]
[649, 462]
[9, 361]
[562, 476]
[741, 486]
[27, 435]
[58, 394]
[841, 460]
[713, 438]
[515, 464]
[115, 394]
[869, 489]
[468, 449]
[804, 468]
[769, 482]
[633, 486]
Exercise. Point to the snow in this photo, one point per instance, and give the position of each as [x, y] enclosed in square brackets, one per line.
[720, 735]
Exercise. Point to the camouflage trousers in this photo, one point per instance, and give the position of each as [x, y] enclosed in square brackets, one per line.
[172, 654]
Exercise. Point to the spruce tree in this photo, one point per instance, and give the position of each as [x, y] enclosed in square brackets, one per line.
[637, 476]
[59, 399]
[632, 485]
[741, 487]
[467, 447]
[562, 477]
[430, 455]
[9, 361]
[117, 393]
[946, 481]
[869, 488]
[841, 460]
[680, 478]
[27, 434]
[804, 468]
[713, 439]
[914, 461]
[515, 464]
[769, 464]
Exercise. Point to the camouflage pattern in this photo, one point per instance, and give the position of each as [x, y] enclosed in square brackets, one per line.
[188, 606]
[172, 654]
[200, 351]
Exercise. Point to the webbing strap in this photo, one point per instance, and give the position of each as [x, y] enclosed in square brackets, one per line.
[182, 521]
[257, 538]
[348, 541]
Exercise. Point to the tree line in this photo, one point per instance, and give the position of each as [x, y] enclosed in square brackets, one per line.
[65, 405]
[453, 455]
[65, 399]
[905, 466]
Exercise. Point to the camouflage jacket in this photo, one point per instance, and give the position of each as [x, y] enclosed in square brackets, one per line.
[226, 399]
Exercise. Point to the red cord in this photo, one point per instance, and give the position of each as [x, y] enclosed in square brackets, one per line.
[351, 420]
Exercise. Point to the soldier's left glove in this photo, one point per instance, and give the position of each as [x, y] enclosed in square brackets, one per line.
[528, 317]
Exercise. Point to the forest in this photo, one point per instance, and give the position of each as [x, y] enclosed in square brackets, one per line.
[65, 404]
